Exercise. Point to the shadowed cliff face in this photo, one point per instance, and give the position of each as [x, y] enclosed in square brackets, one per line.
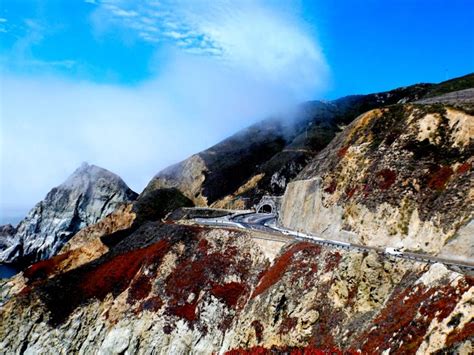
[175, 289]
[87, 196]
[263, 158]
[397, 176]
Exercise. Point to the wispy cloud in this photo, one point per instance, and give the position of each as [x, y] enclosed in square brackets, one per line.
[3, 25]
[222, 65]
[269, 40]
[31, 33]
[50, 125]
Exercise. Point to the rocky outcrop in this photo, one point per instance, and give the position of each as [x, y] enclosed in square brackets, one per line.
[7, 239]
[176, 289]
[87, 196]
[398, 176]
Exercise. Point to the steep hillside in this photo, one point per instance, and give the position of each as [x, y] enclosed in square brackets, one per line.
[397, 176]
[456, 84]
[136, 281]
[87, 196]
[175, 290]
[263, 158]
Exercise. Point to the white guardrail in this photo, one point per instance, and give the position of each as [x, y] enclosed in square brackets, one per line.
[390, 251]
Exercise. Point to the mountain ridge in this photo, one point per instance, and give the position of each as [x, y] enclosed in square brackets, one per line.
[85, 197]
[261, 159]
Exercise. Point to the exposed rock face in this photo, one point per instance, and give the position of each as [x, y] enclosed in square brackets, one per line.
[175, 289]
[7, 239]
[397, 176]
[263, 158]
[122, 218]
[87, 196]
[133, 281]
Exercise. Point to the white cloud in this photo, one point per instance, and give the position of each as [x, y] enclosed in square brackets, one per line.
[267, 38]
[50, 125]
[229, 64]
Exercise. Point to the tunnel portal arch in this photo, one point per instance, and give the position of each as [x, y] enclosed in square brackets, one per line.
[266, 205]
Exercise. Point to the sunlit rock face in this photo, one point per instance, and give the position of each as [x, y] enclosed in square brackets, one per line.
[87, 196]
[397, 176]
[174, 289]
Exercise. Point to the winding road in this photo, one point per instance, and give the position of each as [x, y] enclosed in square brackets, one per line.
[267, 223]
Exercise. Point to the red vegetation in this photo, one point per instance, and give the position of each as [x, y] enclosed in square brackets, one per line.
[386, 178]
[139, 289]
[274, 273]
[350, 191]
[152, 304]
[191, 276]
[331, 188]
[256, 350]
[461, 335]
[444, 301]
[304, 269]
[394, 320]
[287, 325]
[43, 269]
[186, 311]
[198, 272]
[203, 246]
[229, 293]
[342, 152]
[115, 274]
[464, 168]
[110, 274]
[258, 330]
[308, 350]
[332, 261]
[407, 316]
[439, 178]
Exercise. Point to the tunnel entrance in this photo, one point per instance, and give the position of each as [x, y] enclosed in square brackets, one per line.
[265, 209]
[267, 205]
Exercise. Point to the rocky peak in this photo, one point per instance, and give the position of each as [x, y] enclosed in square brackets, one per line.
[87, 196]
[7, 230]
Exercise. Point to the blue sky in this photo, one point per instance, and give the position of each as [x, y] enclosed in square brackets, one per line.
[134, 86]
[369, 45]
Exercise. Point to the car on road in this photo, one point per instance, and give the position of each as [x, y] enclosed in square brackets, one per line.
[393, 251]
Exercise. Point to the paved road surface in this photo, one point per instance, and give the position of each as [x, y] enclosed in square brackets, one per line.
[265, 222]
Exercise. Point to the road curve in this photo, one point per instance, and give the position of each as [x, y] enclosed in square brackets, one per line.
[266, 222]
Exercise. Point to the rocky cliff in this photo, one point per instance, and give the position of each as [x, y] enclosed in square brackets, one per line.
[263, 158]
[173, 289]
[87, 196]
[136, 281]
[397, 176]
